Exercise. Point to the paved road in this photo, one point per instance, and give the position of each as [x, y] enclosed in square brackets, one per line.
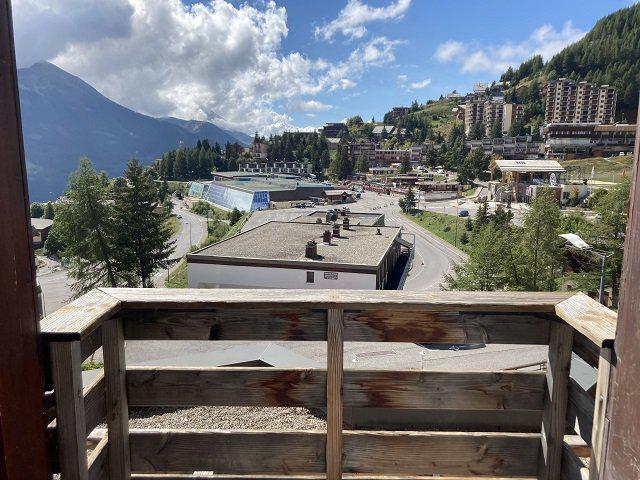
[55, 283]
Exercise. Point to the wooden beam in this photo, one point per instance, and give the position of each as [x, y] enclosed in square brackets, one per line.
[578, 446]
[116, 399]
[23, 450]
[203, 476]
[286, 322]
[573, 468]
[580, 411]
[78, 319]
[198, 299]
[94, 402]
[70, 416]
[408, 389]
[241, 452]
[334, 393]
[586, 349]
[98, 461]
[596, 464]
[590, 318]
[555, 407]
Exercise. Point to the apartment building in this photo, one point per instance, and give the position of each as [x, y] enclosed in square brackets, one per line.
[295, 168]
[473, 111]
[333, 130]
[570, 140]
[511, 113]
[493, 112]
[385, 156]
[361, 148]
[514, 148]
[583, 102]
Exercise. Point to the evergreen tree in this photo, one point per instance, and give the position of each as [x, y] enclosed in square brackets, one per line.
[180, 167]
[362, 164]
[36, 210]
[405, 166]
[142, 237]
[234, 216]
[85, 227]
[408, 202]
[496, 129]
[477, 131]
[48, 211]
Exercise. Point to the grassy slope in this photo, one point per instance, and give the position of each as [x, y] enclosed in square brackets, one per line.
[437, 224]
[606, 169]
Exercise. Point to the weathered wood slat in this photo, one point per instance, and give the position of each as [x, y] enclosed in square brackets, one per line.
[95, 408]
[334, 377]
[285, 322]
[98, 460]
[590, 318]
[586, 349]
[116, 399]
[443, 419]
[202, 476]
[91, 343]
[599, 433]
[573, 467]
[70, 415]
[577, 445]
[555, 405]
[277, 322]
[409, 389]
[300, 452]
[193, 298]
[76, 320]
[580, 409]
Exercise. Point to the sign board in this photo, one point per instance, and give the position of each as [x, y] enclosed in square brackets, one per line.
[330, 275]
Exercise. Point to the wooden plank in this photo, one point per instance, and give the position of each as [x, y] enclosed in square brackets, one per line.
[334, 393]
[23, 449]
[76, 320]
[573, 467]
[194, 298]
[251, 322]
[555, 406]
[201, 476]
[596, 464]
[95, 403]
[98, 461]
[91, 343]
[408, 389]
[302, 452]
[70, 415]
[285, 322]
[443, 419]
[116, 399]
[421, 326]
[577, 445]
[590, 318]
[580, 411]
[586, 349]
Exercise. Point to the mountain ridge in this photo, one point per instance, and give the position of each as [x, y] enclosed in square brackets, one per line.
[64, 118]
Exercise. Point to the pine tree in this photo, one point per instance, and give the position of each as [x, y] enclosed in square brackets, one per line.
[142, 236]
[85, 226]
[180, 167]
[48, 211]
[36, 210]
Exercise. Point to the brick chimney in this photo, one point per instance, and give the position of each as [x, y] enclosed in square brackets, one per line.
[336, 231]
[326, 237]
[345, 223]
[311, 249]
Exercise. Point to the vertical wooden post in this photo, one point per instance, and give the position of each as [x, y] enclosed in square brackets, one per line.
[598, 434]
[116, 399]
[334, 393]
[555, 404]
[23, 452]
[66, 367]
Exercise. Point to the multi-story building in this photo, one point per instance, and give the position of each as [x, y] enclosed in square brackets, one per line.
[397, 112]
[569, 140]
[259, 150]
[381, 132]
[334, 130]
[295, 168]
[583, 102]
[514, 148]
[362, 148]
[385, 156]
[492, 113]
[455, 96]
[511, 113]
[473, 111]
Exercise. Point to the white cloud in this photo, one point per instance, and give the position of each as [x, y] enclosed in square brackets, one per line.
[418, 85]
[312, 106]
[474, 58]
[351, 20]
[201, 61]
[449, 50]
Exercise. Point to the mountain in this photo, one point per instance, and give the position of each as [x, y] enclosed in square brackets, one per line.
[65, 118]
[608, 54]
[208, 130]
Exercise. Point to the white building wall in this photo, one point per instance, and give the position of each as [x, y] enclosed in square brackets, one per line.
[207, 275]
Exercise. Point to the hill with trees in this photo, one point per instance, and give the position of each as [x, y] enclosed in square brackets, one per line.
[608, 54]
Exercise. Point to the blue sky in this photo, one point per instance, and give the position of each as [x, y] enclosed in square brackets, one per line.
[274, 65]
[426, 25]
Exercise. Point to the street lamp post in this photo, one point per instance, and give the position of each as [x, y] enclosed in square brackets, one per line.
[578, 243]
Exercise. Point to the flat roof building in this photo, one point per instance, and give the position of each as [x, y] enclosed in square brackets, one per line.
[304, 255]
[367, 219]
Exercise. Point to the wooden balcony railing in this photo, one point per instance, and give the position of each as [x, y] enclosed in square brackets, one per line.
[496, 424]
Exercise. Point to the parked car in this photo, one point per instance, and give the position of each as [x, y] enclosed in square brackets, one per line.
[463, 213]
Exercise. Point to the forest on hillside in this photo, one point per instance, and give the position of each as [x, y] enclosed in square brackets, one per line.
[608, 54]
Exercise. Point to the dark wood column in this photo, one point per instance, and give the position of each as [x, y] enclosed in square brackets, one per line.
[622, 457]
[22, 429]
